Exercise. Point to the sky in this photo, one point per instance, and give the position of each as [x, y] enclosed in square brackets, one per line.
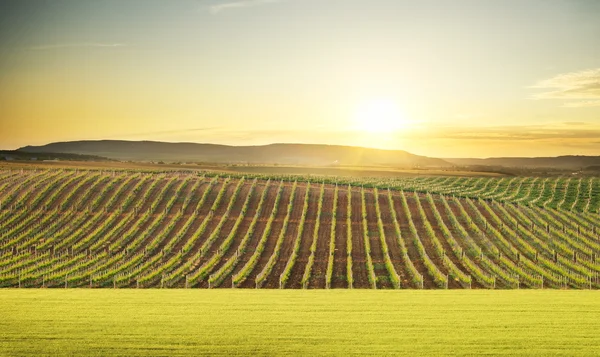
[463, 78]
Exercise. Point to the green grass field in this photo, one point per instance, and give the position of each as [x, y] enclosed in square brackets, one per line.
[263, 322]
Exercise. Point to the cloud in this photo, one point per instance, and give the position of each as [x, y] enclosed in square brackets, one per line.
[75, 45]
[158, 134]
[583, 86]
[217, 8]
[575, 123]
[569, 131]
[582, 104]
[169, 132]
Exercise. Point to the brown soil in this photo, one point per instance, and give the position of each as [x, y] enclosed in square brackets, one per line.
[259, 229]
[359, 262]
[43, 191]
[287, 247]
[319, 271]
[383, 277]
[59, 221]
[145, 205]
[339, 278]
[243, 227]
[437, 229]
[195, 195]
[476, 237]
[407, 236]
[143, 227]
[276, 226]
[297, 273]
[109, 192]
[61, 197]
[456, 234]
[75, 217]
[176, 229]
[425, 240]
[392, 242]
[227, 226]
[74, 224]
[348, 171]
[199, 218]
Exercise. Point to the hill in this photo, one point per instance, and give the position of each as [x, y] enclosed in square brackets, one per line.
[80, 228]
[572, 162]
[9, 155]
[282, 154]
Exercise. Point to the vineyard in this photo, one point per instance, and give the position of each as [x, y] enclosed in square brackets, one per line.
[64, 228]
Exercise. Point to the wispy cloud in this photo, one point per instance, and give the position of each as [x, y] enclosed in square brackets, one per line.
[570, 131]
[169, 132]
[75, 45]
[583, 86]
[217, 8]
[575, 123]
[582, 104]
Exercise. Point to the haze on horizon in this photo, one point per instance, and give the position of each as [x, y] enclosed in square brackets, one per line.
[465, 78]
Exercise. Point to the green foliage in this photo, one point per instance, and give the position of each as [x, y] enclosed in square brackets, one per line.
[120, 228]
[310, 323]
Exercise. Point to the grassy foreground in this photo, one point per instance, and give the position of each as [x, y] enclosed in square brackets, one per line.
[272, 322]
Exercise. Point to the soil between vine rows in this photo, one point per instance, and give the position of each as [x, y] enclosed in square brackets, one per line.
[128, 212]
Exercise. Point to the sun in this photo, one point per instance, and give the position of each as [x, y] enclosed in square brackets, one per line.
[380, 116]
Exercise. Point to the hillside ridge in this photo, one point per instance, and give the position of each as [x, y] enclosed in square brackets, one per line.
[573, 162]
[285, 154]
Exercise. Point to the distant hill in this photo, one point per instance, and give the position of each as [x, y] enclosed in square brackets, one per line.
[9, 155]
[282, 154]
[594, 168]
[559, 162]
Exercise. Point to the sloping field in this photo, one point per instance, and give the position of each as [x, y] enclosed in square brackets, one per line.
[192, 322]
[85, 228]
[573, 194]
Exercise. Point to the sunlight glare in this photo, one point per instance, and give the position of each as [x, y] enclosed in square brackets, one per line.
[380, 116]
